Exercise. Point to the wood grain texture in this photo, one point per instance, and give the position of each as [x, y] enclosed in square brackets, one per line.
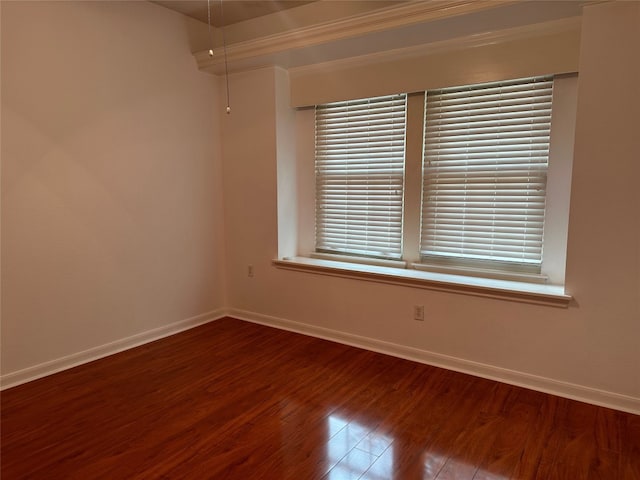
[234, 400]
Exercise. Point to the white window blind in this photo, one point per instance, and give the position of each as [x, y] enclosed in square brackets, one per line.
[486, 150]
[359, 176]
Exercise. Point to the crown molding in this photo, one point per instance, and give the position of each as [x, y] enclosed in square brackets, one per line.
[379, 20]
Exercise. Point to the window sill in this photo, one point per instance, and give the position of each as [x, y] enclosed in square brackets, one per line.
[550, 295]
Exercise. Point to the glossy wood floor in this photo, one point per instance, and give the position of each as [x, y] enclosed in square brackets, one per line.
[233, 400]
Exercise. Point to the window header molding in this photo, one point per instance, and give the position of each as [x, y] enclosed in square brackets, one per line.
[520, 52]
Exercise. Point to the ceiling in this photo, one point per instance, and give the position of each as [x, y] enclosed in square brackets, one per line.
[233, 11]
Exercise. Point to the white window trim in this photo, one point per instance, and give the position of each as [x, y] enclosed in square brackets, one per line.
[546, 289]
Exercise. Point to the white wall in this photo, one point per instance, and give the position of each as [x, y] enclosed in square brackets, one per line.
[111, 189]
[249, 178]
[593, 344]
[113, 222]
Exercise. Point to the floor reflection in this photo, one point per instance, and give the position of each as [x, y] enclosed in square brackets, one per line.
[440, 466]
[356, 452]
[433, 463]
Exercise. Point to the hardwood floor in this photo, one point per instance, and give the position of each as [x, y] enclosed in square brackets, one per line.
[233, 400]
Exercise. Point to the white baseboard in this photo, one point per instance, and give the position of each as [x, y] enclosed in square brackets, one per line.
[563, 389]
[547, 385]
[42, 370]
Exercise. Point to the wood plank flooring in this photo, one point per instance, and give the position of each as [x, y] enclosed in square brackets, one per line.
[233, 400]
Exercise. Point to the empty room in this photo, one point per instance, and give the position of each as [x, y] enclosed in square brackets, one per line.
[330, 239]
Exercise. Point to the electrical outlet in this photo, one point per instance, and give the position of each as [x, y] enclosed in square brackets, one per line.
[418, 312]
[249, 270]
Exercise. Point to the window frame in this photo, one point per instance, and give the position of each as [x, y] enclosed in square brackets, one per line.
[409, 271]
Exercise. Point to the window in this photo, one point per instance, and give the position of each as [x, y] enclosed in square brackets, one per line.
[461, 189]
[483, 177]
[359, 177]
[486, 153]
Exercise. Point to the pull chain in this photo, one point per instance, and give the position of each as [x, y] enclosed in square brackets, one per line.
[226, 66]
[209, 25]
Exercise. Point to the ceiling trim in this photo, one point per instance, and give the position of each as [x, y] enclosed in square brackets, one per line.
[379, 20]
